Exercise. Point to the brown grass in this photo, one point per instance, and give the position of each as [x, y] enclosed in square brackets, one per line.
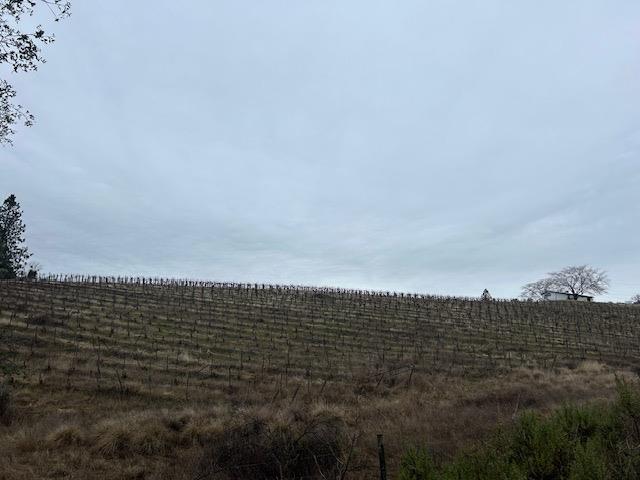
[261, 446]
[108, 436]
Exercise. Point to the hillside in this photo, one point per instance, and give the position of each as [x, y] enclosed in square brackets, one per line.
[130, 345]
[164, 333]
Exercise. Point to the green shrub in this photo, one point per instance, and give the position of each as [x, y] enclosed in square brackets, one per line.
[540, 447]
[488, 465]
[590, 461]
[417, 464]
[574, 443]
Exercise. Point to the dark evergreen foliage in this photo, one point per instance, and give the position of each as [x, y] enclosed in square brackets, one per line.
[13, 253]
[596, 442]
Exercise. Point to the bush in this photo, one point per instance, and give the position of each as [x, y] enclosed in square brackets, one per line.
[574, 443]
[123, 437]
[6, 406]
[264, 449]
[417, 464]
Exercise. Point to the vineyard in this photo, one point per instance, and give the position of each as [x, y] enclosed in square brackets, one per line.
[180, 343]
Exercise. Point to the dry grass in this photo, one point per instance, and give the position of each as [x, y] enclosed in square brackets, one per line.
[264, 446]
[106, 436]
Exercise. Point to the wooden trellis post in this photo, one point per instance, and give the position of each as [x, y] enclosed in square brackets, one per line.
[381, 458]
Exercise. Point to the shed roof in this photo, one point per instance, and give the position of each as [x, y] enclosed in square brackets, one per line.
[569, 293]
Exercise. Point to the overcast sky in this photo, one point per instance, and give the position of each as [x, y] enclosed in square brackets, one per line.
[425, 146]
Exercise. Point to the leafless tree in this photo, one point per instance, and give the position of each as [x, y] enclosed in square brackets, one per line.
[536, 290]
[635, 299]
[576, 280]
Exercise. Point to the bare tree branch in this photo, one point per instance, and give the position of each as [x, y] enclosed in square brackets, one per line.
[576, 280]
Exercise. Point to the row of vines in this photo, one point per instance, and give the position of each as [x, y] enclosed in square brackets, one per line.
[162, 334]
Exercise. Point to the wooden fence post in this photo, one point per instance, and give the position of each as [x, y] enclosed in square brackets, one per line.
[383, 462]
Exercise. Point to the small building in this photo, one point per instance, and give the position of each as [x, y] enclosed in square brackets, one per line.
[554, 296]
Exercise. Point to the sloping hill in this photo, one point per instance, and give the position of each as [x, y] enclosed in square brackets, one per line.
[171, 333]
[131, 378]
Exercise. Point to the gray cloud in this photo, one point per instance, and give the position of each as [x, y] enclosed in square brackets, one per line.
[429, 146]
